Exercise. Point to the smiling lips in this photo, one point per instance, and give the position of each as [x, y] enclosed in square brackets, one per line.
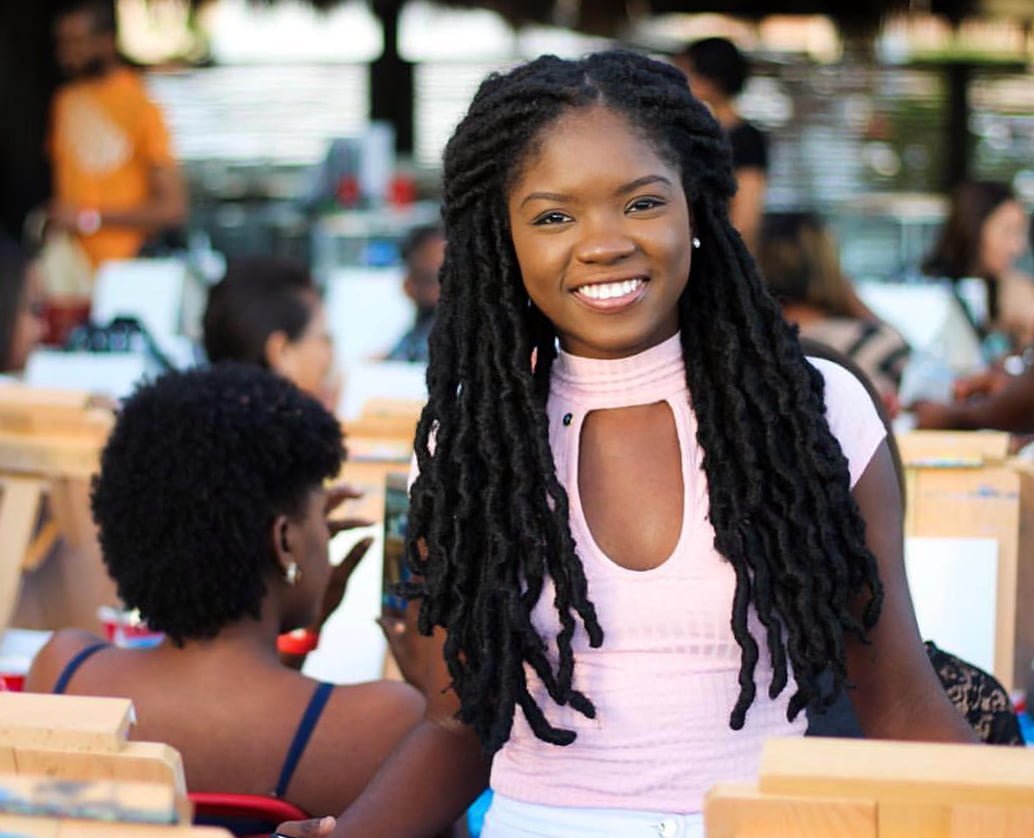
[611, 296]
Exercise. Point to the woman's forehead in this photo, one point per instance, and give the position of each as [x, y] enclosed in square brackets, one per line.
[589, 143]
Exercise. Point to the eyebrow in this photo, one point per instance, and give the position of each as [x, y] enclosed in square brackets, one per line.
[559, 197]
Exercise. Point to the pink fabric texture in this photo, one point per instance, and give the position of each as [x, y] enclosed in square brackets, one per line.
[665, 680]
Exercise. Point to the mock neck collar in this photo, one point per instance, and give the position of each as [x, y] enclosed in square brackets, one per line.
[642, 378]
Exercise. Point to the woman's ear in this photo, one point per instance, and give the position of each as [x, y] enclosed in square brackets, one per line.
[276, 351]
[282, 543]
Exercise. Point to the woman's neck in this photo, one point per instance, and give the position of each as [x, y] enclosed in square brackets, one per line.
[601, 352]
[247, 636]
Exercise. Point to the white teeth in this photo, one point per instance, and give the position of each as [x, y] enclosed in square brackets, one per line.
[610, 290]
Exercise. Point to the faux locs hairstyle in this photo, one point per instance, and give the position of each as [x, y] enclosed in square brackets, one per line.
[489, 518]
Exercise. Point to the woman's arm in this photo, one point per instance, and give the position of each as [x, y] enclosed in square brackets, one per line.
[434, 774]
[1009, 408]
[897, 694]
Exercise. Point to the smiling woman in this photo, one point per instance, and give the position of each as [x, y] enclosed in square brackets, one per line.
[611, 238]
[637, 501]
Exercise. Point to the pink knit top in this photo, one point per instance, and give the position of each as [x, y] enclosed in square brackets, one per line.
[665, 679]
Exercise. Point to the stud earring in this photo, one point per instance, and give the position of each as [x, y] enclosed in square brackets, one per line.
[696, 243]
[293, 574]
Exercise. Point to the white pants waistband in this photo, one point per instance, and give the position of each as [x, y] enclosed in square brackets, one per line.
[509, 818]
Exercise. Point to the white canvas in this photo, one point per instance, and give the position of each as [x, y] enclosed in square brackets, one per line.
[953, 582]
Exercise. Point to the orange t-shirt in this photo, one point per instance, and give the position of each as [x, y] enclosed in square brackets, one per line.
[106, 137]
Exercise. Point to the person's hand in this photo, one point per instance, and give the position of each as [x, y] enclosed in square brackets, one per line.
[339, 576]
[337, 495]
[408, 646]
[982, 384]
[932, 416]
[312, 828]
[338, 582]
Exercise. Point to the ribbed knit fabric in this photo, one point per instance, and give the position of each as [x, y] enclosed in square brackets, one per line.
[665, 680]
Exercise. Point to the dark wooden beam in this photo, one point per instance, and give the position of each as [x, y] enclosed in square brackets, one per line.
[392, 84]
[957, 136]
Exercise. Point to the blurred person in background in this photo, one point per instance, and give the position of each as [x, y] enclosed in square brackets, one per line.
[995, 400]
[211, 513]
[1001, 398]
[983, 237]
[116, 182]
[800, 262]
[423, 251]
[21, 323]
[267, 311]
[717, 72]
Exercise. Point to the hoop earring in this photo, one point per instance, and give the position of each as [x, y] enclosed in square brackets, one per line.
[696, 243]
[293, 574]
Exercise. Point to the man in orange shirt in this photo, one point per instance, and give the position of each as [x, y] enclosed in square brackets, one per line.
[116, 181]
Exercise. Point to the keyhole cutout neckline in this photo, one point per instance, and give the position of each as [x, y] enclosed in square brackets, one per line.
[584, 385]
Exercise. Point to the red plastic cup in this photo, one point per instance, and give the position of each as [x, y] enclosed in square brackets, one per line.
[13, 669]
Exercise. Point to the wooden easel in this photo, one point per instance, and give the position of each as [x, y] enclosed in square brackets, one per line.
[49, 445]
[379, 441]
[82, 743]
[961, 484]
[852, 788]
[389, 419]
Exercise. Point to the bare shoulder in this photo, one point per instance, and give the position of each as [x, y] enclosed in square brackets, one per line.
[384, 702]
[55, 656]
[361, 725]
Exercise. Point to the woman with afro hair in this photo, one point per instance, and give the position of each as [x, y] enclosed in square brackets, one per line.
[210, 507]
[647, 528]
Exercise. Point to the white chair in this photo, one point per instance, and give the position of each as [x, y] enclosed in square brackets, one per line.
[151, 290]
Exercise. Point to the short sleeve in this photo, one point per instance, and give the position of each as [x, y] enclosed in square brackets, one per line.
[851, 415]
[749, 147]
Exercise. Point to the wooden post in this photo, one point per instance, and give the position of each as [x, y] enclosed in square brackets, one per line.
[392, 88]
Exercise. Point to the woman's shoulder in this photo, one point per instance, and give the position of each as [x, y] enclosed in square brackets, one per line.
[376, 699]
[55, 655]
[367, 721]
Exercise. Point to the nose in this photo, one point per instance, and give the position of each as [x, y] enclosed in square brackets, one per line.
[604, 241]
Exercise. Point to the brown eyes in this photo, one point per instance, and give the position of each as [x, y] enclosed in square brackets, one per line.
[639, 205]
[644, 204]
[550, 218]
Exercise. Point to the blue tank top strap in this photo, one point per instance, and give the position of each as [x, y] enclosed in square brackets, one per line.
[73, 666]
[302, 735]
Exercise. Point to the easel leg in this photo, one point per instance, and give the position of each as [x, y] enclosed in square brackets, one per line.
[19, 508]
